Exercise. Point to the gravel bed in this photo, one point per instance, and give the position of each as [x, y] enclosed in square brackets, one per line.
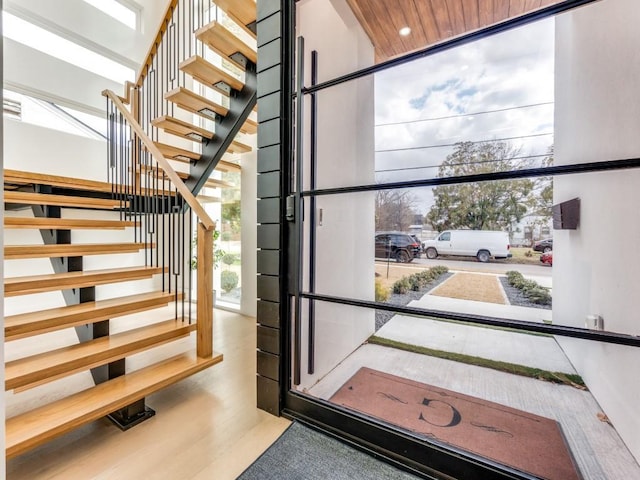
[516, 297]
[383, 316]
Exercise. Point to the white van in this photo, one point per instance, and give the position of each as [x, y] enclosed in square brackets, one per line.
[482, 244]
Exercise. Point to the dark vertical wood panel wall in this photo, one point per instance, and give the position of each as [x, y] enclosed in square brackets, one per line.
[272, 148]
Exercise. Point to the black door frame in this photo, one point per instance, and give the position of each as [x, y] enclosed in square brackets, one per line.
[280, 254]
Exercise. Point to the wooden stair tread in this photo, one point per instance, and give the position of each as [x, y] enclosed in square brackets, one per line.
[181, 128]
[195, 103]
[176, 153]
[58, 281]
[222, 41]
[238, 147]
[224, 166]
[143, 169]
[249, 126]
[21, 177]
[208, 74]
[28, 198]
[215, 183]
[209, 199]
[244, 11]
[42, 424]
[54, 364]
[65, 223]
[44, 321]
[13, 252]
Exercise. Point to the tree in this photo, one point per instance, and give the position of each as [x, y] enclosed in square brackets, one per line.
[493, 205]
[394, 209]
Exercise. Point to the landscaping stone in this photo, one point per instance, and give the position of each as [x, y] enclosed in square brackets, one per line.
[383, 316]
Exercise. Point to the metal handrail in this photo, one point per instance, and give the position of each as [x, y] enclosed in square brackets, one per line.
[191, 200]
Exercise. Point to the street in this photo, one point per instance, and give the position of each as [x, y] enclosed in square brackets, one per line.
[473, 265]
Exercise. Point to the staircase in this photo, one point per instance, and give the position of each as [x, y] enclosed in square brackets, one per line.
[162, 151]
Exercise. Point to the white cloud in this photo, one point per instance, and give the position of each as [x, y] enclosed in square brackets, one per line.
[510, 69]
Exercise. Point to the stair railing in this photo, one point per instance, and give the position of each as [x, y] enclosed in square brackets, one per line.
[160, 73]
[153, 193]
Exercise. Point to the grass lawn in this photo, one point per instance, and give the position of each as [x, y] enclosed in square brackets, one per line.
[519, 256]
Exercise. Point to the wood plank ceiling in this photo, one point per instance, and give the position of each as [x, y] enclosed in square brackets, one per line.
[431, 21]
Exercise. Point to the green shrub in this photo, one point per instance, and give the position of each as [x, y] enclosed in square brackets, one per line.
[382, 292]
[416, 282]
[228, 258]
[439, 270]
[401, 286]
[513, 277]
[226, 236]
[426, 276]
[228, 280]
[530, 288]
[540, 296]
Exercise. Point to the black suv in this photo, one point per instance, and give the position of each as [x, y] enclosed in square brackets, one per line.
[397, 245]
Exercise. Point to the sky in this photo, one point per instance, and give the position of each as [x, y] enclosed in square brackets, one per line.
[512, 71]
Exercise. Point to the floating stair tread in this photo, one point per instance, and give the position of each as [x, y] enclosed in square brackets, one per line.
[65, 361]
[195, 103]
[44, 321]
[249, 126]
[224, 166]
[209, 74]
[13, 252]
[28, 198]
[238, 147]
[42, 424]
[209, 199]
[222, 41]
[175, 153]
[181, 128]
[143, 169]
[215, 183]
[243, 10]
[58, 281]
[25, 178]
[66, 223]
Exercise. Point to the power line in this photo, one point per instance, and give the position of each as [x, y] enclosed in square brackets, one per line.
[464, 114]
[454, 144]
[467, 163]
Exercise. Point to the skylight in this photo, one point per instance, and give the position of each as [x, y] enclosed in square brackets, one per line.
[116, 10]
[46, 42]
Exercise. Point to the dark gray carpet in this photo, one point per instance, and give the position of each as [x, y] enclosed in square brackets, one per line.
[305, 454]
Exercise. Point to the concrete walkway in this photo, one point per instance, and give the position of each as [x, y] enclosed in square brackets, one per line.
[471, 307]
[519, 348]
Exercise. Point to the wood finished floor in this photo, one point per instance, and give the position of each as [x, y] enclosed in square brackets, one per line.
[206, 427]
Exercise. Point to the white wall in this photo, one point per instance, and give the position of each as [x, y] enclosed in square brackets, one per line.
[38, 149]
[30, 72]
[596, 266]
[344, 254]
[249, 220]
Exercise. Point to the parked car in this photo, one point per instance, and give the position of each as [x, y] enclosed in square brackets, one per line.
[547, 258]
[543, 246]
[415, 237]
[482, 244]
[397, 245]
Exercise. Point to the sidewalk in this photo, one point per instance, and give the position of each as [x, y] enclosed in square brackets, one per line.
[519, 348]
[472, 307]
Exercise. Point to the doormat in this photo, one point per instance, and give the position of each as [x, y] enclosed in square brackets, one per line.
[304, 453]
[518, 439]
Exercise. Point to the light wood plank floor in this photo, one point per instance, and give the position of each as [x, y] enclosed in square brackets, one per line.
[205, 427]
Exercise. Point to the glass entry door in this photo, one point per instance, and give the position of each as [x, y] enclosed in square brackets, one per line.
[458, 301]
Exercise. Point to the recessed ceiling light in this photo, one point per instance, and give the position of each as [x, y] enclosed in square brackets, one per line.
[404, 31]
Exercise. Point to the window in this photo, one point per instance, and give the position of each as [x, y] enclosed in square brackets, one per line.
[51, 44]
[117, 10]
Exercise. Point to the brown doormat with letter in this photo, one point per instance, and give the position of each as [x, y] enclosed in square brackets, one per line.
[515, 438]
